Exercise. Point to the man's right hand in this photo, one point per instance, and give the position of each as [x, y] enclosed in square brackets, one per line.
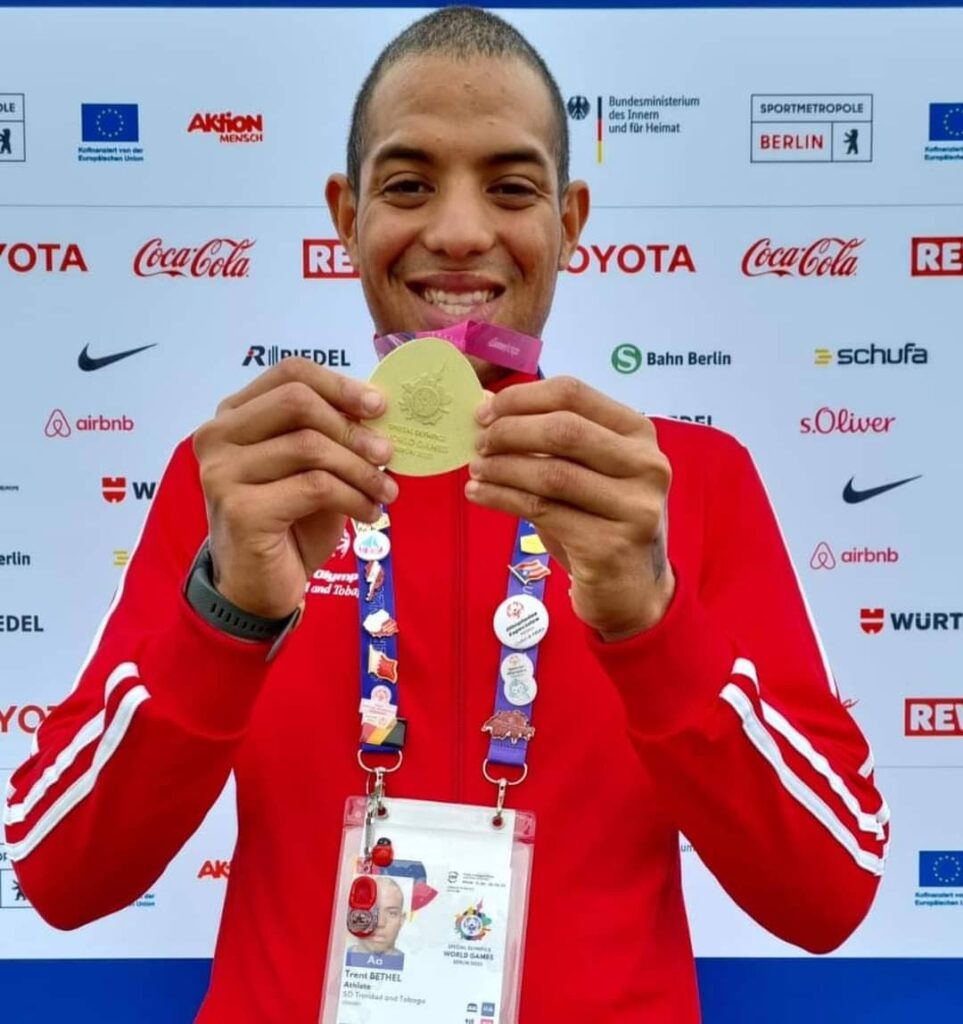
[282, 463]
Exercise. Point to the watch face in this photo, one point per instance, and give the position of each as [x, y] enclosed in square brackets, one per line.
[362, 923]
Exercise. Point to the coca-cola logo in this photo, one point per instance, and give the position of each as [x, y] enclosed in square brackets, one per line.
[220, 257]
[831, 421]
[826, 257]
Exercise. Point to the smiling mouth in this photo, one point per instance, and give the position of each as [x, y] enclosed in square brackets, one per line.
[456, 303]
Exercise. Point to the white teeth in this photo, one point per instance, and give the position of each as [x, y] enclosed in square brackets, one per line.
[457, 303]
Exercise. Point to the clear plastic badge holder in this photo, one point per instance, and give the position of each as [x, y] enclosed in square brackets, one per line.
[446, 938]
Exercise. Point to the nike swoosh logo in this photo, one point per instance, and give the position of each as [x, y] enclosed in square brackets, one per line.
[853, 497]
[88, 362]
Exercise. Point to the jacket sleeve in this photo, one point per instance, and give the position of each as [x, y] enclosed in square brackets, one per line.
[734, 713]
[125, 769]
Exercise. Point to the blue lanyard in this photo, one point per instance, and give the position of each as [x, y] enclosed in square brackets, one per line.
[523, 621]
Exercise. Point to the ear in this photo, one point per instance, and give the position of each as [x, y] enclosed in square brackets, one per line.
[344, 212]
[575, 212]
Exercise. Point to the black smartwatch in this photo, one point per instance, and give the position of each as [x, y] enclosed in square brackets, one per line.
[217, 611]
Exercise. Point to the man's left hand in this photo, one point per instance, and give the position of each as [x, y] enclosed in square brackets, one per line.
[588, 473]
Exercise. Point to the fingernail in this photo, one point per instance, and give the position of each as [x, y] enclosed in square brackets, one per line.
[390, 489]
[471, 489]
[380, 449]
[371, 402]
[486, 412]
[475, 468]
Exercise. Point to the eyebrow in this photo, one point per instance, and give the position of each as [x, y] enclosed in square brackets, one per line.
[521, 155]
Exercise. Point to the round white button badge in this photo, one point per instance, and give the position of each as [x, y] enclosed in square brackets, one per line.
[372, 546]
[520, 622]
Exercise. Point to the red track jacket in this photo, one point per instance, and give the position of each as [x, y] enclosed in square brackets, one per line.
[722, 723]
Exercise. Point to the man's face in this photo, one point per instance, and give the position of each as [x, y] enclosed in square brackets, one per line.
[391, 916]
[458, 214]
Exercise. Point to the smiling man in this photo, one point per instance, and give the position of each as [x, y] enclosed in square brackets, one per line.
[681, 686]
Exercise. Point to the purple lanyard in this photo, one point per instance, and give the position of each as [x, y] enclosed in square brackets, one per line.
[520, 620]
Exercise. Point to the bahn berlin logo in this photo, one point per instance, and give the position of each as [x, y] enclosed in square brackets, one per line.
[933, 716]
[43, 257]
[653, 117]
[114, 489]
[823, 557]
[228, 127]
[826, 257]
[325, 258]
[909, 354]
[13, 144]
[218, 257]
[946, 132]
[271, 355]
[631, 258]
[629, 358]
[814, 128]
[874, 620]
[108, 131]
[937, 257]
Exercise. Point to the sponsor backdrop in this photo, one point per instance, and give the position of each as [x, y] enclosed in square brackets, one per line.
[775, 249]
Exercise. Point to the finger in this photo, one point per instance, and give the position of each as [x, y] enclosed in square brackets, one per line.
[353, 397]
[562, 481]
[294, 406]
[569, 435]
[287, 501]
[552, 517]
[557, 393]
[302, 450]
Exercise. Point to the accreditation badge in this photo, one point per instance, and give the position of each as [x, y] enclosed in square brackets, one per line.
[429, 915]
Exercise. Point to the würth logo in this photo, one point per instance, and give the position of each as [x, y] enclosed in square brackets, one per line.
[933, 716]
[937, 257]
[324, 258]
[114, 489]
[872, 620]
[826, 257]
[46, 257]
[632, 259]
[220, 257]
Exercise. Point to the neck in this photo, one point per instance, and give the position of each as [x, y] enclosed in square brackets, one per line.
[487, 373]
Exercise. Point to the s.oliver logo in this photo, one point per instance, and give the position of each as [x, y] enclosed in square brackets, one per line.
[632, 259]
[220, 257]
[46, 257]
[826, 257]
[25, 718]
[829, 421]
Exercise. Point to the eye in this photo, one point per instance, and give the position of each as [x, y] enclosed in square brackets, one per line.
[406, 187]
[514, 191]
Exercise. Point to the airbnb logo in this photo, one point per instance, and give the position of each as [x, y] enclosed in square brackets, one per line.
[59, 426]
[826, 257]
[824, 558]
[828, 421]
[325, 258]
[220, 257]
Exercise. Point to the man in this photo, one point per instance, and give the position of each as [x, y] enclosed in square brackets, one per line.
[682, 687]
[391, 916]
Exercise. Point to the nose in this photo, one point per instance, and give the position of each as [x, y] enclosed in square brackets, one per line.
[459, 222]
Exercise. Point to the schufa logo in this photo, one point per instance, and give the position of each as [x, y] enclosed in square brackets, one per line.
[632, 259]
[220, 257]
[826, 257]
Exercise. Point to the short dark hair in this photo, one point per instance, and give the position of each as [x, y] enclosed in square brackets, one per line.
[461, 33]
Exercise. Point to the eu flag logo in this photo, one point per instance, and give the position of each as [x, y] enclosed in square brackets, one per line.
[946, 122]
[941, 869]
[109, 122]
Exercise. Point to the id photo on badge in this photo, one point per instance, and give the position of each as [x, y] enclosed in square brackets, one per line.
[384, 947]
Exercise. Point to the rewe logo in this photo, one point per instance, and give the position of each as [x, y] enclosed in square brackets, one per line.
[220, 257]
[933, 716]
[937, 257]
[823, 557]
[632, 259]
[828, 421]
[872, 620]
[22, 257]
[59, 426]
[114, 489]
[215, 869]
[25, 718]
[826, 257]
[324, 258]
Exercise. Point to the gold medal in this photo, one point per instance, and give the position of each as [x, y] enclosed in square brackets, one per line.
[432, 394]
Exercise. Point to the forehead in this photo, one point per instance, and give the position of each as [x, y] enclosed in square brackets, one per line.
[443, 104]
[389, 893]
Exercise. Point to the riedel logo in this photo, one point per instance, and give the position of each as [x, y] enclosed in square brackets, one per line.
[873, 620]
[229, 127]
[59, 426]
[824, 557]
[47, 257]
[829, 421]
[25, 718]
[937, 257]
[933, 716]
[632, 259]
[216, 870]
[114, 489]
[826, 257]
[326, 258]
[220, 257]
